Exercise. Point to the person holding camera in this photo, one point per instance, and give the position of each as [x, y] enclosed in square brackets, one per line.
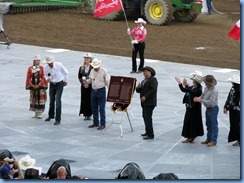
[7, 170]
[83, 75]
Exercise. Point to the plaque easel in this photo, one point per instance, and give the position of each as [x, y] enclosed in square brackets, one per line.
[120, 92]
[120, 123]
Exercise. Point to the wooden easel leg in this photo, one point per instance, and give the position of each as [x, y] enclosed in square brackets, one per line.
[120, 124]
[110, 123]
[129, 120]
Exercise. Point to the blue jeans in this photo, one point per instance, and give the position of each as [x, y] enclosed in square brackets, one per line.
[209, 5]
[212, 123]
[55, 94]
[98, 102]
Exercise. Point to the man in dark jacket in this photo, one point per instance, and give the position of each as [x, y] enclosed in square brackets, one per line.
[148, 94]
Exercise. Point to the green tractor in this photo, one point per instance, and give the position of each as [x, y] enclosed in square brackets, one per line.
[26, 6]
[158, 12]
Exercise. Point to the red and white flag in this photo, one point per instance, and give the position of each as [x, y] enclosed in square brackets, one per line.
[104, 7]
[235, 31]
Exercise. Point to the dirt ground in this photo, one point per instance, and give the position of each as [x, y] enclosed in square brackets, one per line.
[202, 42]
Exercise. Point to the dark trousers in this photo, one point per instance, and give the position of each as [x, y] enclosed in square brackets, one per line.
[234, 133]
[55, 94]
[140, 47]
[147, 113]
[98, 102]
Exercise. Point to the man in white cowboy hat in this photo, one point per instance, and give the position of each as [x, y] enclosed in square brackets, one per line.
[209, 98]
[99, 79]
[232, 105]
[138, 44]
[57, 75]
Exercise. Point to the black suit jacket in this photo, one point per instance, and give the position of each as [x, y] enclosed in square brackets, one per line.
[149, 90]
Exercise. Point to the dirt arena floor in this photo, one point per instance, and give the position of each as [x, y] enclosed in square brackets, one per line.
[203, 42]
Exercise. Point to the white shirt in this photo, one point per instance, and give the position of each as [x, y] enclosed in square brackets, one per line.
[58, 72]
[99, 79]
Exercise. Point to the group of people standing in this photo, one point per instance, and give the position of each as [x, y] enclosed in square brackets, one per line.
[37, 80]
[193, 126]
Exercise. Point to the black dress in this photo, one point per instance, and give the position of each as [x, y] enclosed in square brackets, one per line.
[85, 103]
[192, 126]
[232, 104]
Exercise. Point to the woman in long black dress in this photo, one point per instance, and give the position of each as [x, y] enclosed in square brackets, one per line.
[192, 126]
[232, 105]
[83, 74]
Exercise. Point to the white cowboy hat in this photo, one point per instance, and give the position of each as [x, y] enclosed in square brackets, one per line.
[88, 55]
[96, 63]
[49, 59]
[26, 162]
[37, 57]
[140, 20]
[197, 76]
[196, 72]
[234, 79]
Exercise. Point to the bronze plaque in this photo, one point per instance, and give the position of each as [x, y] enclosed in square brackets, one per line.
[121, 89]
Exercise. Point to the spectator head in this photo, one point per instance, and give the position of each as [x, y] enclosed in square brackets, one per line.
[4, 170]
[26, 162]
[31, 173]
[61, 173]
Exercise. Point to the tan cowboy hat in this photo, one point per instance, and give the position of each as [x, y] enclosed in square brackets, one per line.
[26, 162]
[209, 79]
[96, 63]
[140, 20]
[37, 57]
[234, 79]
[150, 69]
[49, 59]
[197, 76]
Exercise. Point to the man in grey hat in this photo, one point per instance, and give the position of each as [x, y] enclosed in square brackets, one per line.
[148, 94]
[210, 100]
[57, 75]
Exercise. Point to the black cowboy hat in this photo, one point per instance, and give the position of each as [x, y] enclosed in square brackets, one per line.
[150, 69]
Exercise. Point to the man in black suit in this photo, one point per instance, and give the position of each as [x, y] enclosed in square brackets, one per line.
[148, 94]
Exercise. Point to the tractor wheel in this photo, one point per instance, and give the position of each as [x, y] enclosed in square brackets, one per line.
[184, 16]
[117, 15]
[158, 12]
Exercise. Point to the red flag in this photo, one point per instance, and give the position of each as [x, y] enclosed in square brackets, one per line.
[104, 7]
[235, 31]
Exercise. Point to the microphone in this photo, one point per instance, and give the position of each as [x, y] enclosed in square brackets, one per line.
[49, 76]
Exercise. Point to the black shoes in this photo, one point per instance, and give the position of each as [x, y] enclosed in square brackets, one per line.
[132, 71]
[101, 127]
[87, 118]
[56, 123]
[144, 135]
[93, 126]
[147, 137]
[48, 119]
